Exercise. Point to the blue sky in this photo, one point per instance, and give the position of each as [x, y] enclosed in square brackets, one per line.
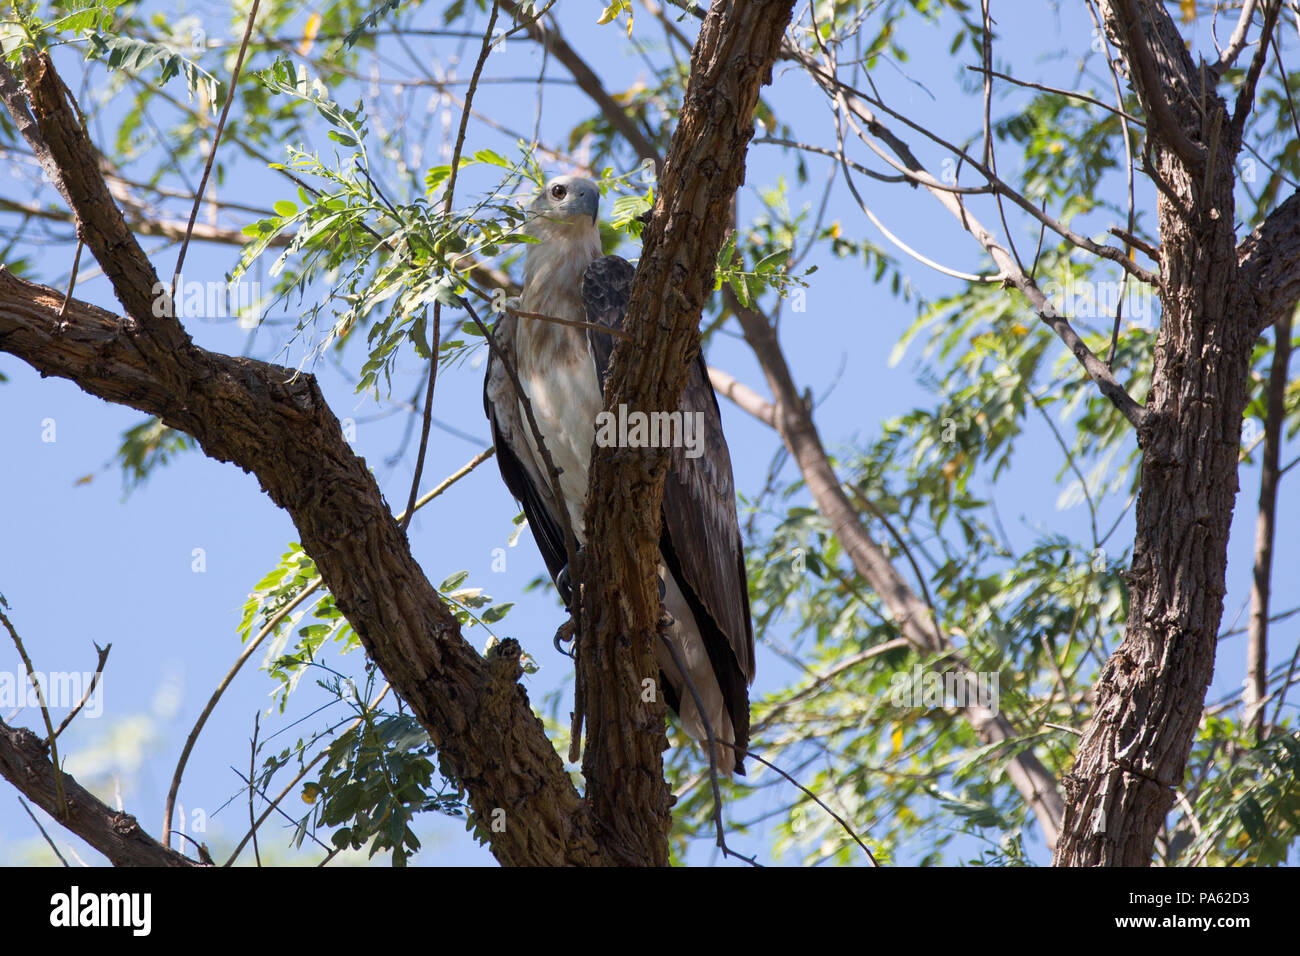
[81, 563]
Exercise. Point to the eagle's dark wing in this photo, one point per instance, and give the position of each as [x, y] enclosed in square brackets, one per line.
[515, 459]
[701, 542]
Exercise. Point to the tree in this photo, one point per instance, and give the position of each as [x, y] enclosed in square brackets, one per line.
[1073, 690]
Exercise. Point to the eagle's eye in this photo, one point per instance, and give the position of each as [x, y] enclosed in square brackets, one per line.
[558, 191]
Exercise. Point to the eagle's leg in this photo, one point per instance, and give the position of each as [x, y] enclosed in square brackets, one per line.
[666, 620]
[564, 584]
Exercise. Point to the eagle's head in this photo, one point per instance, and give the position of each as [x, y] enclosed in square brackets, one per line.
[563, 217]
[565, 202]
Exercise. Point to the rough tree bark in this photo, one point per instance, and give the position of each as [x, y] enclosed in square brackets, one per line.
[623, 759]
[25, 760]
[1152, 689]
[277, 425]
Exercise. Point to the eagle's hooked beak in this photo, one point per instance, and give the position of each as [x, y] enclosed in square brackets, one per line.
[589, 203]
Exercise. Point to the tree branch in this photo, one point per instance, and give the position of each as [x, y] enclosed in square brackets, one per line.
[1270, 262]
[1237, 42]
[1014, 274]
[622, 761]
[1256, 688]
[25, 762]
[1159, 70]
[589, 83]
[142, 225]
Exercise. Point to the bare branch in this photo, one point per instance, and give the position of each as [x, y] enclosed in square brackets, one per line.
[216, 142]
[744, 396]
[1270, 261]
[1246, 95]
[52, 739]
[1135, 39]
[1237, 42]
[1095, 367]
[172, 229]
[1256, 687]
[94, 682]
[1072, 94]
[25, 763]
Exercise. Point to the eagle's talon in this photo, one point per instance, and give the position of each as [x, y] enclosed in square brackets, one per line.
[564, 585]
[564, 634]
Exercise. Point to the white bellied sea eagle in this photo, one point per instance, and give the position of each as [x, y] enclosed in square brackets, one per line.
[562, 369]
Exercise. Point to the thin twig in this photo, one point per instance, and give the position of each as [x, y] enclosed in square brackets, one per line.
[43, 833]
[427, 418]
[72, 281]
[99, 672]
[815, 799]
[274, 804]
[572, 323]
[1072, 94]
[253, 788]
[252, 770]
[447, 198]
[711, 741]
[212, 153]
[45, 713]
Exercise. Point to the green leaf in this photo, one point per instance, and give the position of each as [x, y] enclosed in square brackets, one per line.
[495, 613]
[773, 262]
[492, 159]
[135, 55]
[453, 582]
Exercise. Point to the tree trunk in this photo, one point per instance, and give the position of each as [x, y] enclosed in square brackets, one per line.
[623, 760]
[1152, 689]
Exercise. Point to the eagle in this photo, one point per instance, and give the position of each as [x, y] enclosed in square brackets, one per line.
[562, 369]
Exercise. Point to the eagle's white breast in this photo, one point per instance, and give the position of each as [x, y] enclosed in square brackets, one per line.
[556, 367]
